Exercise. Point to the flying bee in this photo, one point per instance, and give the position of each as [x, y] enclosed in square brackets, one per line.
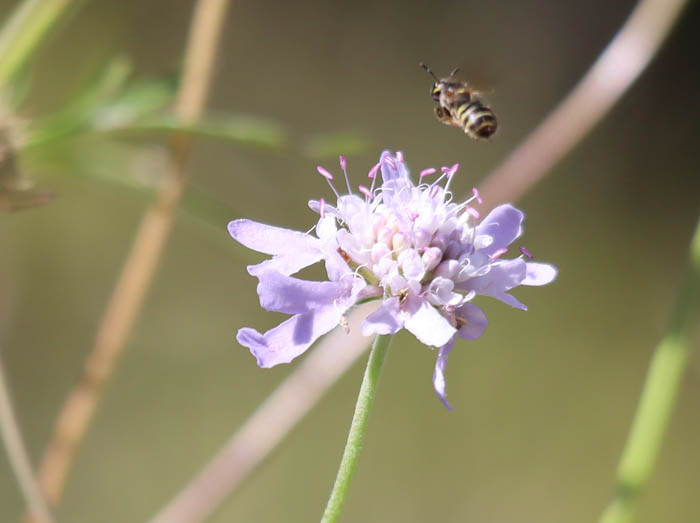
[461, 106]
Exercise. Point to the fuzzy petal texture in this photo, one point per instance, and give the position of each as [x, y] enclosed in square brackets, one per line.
[439, 373]
[385, 320]
[291, 338]
[426, 323]
[503, 224]
[280, 293]
[539, 274]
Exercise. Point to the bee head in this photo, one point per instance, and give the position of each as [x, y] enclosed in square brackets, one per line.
[436, 89]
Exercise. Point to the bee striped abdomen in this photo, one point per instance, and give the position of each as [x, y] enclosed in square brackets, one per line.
[478, 121]
[459, 105]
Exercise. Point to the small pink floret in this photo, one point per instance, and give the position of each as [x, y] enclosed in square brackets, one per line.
[343, 163]
[426, 172]
[373, 171]
[323, 172]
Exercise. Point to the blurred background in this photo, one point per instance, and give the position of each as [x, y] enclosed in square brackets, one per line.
[542, 402]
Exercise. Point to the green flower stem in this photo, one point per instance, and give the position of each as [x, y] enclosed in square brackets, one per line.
[24, 30]
[658, 397]
[358, 428]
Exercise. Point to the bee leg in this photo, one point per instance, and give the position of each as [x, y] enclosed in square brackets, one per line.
[443, 115]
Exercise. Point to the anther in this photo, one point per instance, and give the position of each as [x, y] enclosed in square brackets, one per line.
[526, 253]
[364, 190]
[449, 171]
[473, 212]
[426, 172]
[343, 165]
[329, 177]
[323, 172]
[498, 253]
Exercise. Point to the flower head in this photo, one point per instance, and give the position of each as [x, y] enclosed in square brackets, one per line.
[425, 256]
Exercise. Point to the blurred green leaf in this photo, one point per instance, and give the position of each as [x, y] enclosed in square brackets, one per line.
[98, 156]
[137, 167]
[24, 30]
[240, 129]
[16, 91]
[77, 115]
[329, 145]
[134, 104]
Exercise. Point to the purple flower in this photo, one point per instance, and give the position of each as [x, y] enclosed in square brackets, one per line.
[423, 255]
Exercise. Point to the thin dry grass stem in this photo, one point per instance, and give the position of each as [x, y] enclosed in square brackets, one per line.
[18, 457]
[268, 425]
[134, 281]
[615, 70]
[622, 61]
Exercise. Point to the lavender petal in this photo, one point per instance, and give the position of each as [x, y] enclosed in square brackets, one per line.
[269, 239]
[426, 323]
[539, 274]
[439, 372]
[290, 338]
[385, 320]
[502, 277]
[281, 293]
[476, 322]
[503, 224]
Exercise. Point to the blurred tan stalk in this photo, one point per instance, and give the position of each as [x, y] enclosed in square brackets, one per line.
[134, 281]
[18, 457]
[615, 70]
[268, 425]
[22, 33]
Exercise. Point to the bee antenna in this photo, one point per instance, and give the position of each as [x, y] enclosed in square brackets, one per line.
[429, 70]
[454, 71]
